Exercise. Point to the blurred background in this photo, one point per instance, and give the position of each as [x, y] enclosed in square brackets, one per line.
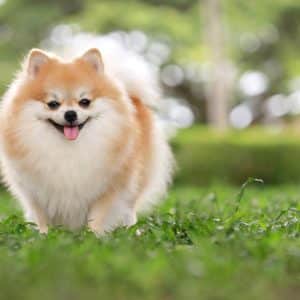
[230, 71]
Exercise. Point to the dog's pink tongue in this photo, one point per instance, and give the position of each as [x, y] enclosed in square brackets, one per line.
[71, 133]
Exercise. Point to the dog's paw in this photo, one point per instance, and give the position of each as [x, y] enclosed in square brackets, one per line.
[96, 229]
[129, 219]
[43, 229]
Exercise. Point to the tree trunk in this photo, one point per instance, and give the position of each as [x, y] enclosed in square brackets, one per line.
[218, 86]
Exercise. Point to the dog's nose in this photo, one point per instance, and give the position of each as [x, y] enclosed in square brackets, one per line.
[70, 116]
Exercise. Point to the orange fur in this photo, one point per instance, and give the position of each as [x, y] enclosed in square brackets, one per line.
[130, 149]
[54, 74]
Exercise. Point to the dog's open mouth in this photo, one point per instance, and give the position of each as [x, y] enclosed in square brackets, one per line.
[69, 131]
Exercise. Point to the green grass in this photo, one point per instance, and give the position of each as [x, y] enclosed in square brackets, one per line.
[202, 243]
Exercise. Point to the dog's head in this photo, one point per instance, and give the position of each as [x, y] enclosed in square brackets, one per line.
[67, 96]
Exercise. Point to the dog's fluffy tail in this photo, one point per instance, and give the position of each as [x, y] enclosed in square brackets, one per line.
[138, 77]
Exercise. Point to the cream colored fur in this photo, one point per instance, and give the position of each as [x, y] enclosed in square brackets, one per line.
[68, 183]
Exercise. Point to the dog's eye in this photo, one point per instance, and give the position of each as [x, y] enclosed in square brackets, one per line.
[84, 102]
[53, 104]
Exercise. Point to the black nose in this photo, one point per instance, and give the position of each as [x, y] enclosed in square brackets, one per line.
[70, 116]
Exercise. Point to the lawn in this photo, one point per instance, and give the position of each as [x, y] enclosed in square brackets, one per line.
[213, 242]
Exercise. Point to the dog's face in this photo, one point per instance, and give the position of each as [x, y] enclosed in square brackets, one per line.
[68, 96]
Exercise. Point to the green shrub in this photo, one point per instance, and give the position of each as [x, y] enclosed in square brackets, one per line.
[205, 156]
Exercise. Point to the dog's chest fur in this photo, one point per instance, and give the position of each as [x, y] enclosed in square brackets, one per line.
[64, 177]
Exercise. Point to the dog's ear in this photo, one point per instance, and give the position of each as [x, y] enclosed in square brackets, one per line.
[94, 59]
[35, 61]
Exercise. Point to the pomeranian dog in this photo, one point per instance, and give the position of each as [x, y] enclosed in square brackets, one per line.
[80, 144]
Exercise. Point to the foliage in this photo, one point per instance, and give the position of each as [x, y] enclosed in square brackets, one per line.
[177, 21]
[206, 156]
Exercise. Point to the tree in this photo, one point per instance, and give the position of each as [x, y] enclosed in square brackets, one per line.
[218, 90]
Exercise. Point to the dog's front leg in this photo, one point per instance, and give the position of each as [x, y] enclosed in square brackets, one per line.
[128, 216]
[34, 213]
[98, 212]
[124, 214]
